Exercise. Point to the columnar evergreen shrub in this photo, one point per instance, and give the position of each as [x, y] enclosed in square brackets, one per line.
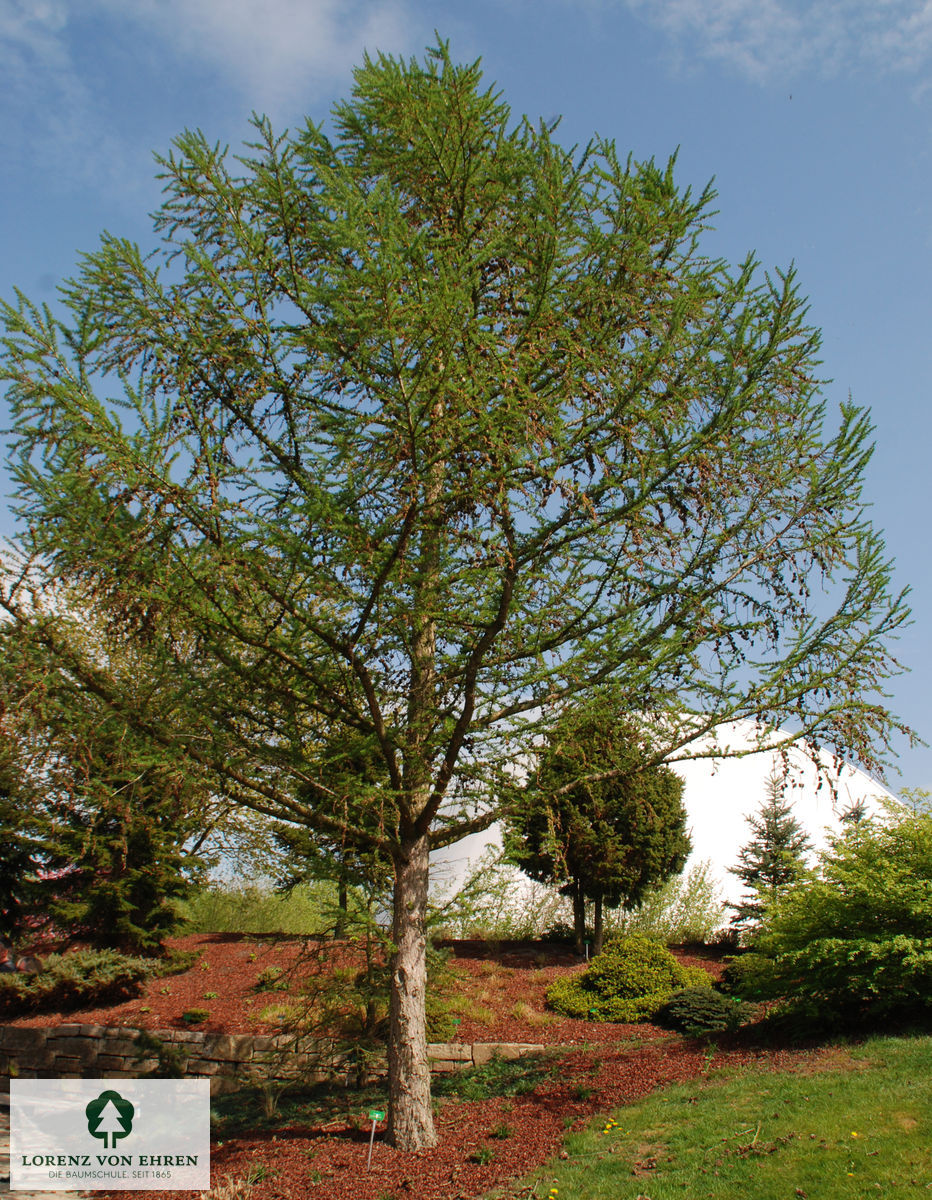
[597, 816]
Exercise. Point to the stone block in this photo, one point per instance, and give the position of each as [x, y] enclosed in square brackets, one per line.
[69, 1067]
[483, 1052]
[37, 1056]
[94, 1031]
[189, 1037]
[451, 1051]
[77, 1047]
[228, 1047]
[117, 1062]
[203, 1066]
[65, 1031]
[124, 1046]
[17, 1039]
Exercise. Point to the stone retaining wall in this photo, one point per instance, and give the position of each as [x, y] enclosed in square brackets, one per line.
[228, 1060]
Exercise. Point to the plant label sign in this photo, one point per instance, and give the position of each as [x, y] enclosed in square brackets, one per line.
[109, 1134]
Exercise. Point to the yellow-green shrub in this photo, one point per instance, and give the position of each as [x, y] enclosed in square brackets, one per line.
[627, 982]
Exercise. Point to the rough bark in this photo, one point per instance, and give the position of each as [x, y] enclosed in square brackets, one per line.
[410, 1117]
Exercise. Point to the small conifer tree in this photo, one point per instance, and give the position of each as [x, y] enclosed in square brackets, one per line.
[773, 860]
[599, 818]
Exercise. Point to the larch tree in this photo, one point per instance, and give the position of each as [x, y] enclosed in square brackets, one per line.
[421, 429]
[599, 816]
[307, 854]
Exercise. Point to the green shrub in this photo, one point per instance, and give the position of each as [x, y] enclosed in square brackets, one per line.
[627, 982]
[252, 909]
[699, 1010]
[169, 1060]
[687, 908]
[75, 980]
[750, 977]
[271, 980]
[195, 1016]
[855, 941]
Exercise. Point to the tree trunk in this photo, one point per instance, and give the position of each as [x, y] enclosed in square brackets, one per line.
[598, 932]
[342, 906]
[410, 1117]
[579, 917]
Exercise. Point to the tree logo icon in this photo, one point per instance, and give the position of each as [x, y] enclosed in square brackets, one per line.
[109, 1116]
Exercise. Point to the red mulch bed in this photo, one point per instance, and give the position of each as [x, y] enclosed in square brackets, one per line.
[223, 982]
[330, 1164]
[503, 993]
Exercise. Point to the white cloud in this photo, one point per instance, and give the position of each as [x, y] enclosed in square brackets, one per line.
[47, 111]
[29, 30]
[767, 39]
[279, 57]
[278, 53]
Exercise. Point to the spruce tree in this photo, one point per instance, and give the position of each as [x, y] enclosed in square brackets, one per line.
[118, 844]
[773, 860]
[104, 824]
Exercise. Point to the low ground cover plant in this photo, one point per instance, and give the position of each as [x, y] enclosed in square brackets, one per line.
[74, 980]
[697, 1011]
[628, 981]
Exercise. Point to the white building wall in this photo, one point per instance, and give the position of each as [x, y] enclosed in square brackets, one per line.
[719, 795]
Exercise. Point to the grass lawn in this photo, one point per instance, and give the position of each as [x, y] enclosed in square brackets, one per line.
[860, 1128]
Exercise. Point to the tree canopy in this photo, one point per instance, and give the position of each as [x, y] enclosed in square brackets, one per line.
[421, 429]
[600, 817]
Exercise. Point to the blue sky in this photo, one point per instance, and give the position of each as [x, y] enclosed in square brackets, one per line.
[814, 118]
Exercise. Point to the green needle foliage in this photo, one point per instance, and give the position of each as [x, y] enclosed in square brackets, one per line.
[599, 816]
[773, 860]
[853, 945]
[23, 847]
[419, 431]
[105, 823]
